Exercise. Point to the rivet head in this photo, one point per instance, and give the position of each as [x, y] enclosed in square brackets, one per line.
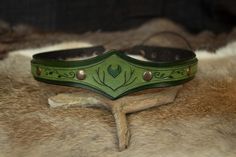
[81, 75]
[147, 75]
[38, 71]
[188, 70]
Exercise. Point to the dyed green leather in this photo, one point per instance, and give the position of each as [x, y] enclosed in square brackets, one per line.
[113, 74]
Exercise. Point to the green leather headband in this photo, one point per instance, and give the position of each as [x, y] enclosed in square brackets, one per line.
[117, 72]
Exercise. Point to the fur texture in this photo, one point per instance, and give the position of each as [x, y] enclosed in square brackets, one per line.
[200, 123]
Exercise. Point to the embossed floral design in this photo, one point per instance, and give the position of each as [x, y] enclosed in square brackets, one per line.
[56, 73]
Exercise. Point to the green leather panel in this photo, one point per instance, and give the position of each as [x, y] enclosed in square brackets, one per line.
[114, 74]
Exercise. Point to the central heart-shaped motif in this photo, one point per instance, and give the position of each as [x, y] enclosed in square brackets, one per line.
[114, 72]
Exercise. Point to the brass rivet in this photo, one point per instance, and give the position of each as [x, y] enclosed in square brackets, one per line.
[188, 70]
[142, 52]
[38, 71]
[147, 75]
[81, 75]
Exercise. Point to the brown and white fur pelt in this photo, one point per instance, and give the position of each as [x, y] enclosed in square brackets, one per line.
[200, 123]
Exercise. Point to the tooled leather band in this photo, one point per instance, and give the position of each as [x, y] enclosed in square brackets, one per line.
[116, 73]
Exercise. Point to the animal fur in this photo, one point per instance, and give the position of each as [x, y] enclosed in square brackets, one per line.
[200, 123]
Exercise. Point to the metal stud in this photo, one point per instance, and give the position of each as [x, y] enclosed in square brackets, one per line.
[147, 75]
[38, 71]
[188, 70]
[142, 53]
[81, 75]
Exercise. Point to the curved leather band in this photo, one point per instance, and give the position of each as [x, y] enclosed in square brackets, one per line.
[117, 72]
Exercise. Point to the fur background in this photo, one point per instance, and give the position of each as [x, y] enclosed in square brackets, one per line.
[200, 123]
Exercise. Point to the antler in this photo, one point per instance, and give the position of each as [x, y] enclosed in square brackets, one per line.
[119, 108]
